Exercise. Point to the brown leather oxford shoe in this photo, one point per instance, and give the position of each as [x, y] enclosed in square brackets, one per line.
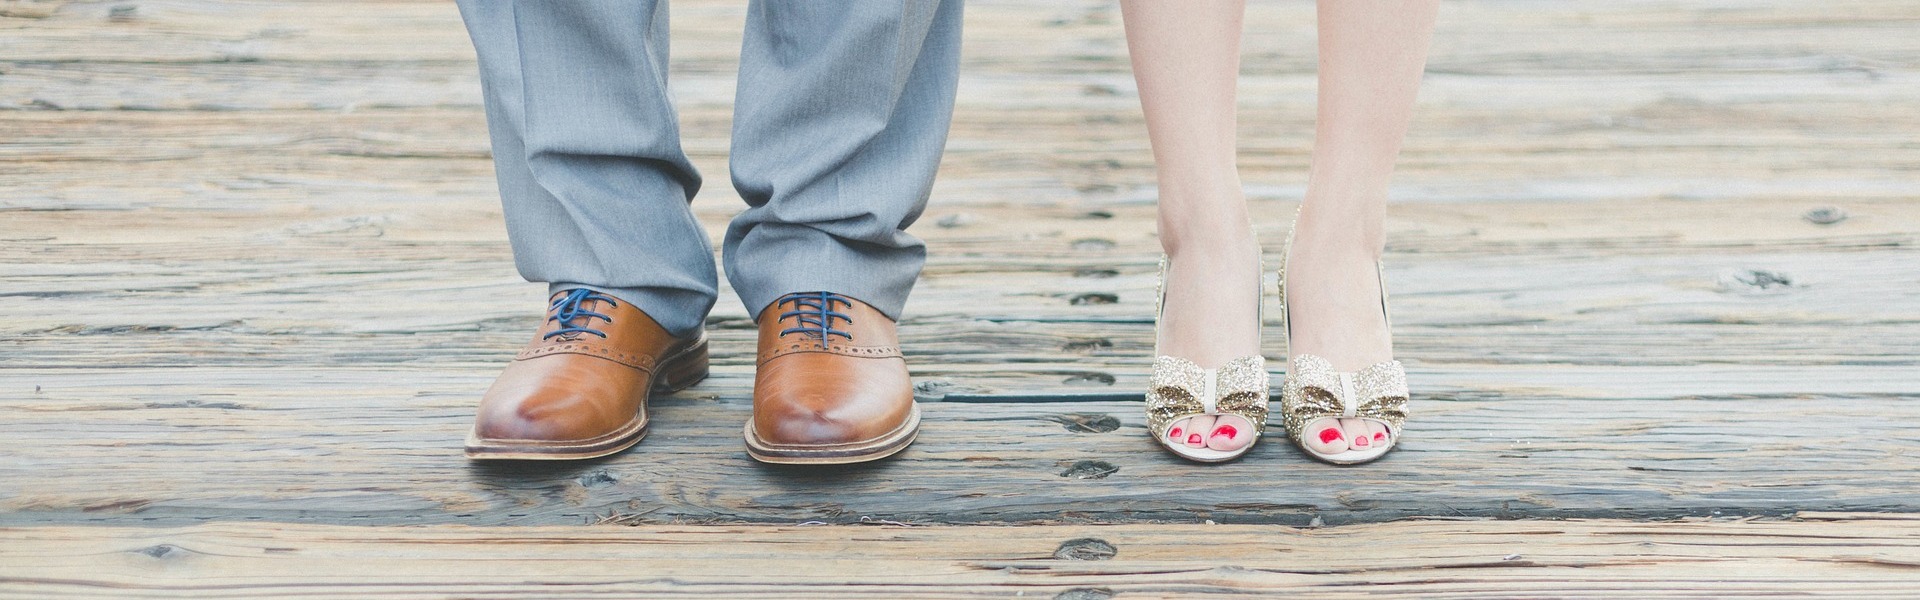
[831, 387]
[580, 388]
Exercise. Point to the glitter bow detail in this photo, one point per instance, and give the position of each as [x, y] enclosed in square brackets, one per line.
[1314, 390]
[1181, 389]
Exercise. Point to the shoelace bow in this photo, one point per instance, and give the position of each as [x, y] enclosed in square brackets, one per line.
[566, 309]
[815, 315]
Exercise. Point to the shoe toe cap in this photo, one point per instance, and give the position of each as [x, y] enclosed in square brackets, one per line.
[553, 414]
[822, 417]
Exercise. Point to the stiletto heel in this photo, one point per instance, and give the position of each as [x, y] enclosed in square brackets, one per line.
[1181, 389]
[1313, 390]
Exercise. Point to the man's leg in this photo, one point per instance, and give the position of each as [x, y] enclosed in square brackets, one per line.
[839, 122]
[586, 147]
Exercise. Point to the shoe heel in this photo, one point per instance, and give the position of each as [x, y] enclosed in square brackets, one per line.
[682, 370]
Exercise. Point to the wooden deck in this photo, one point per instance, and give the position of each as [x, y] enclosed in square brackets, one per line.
[1653, 267]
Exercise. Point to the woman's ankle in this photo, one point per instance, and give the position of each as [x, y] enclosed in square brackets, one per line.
[1226, 234]
[1222, 249]
[1344, 219]
[1340, 245]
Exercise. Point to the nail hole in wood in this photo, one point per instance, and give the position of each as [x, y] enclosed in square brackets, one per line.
[1825, 215]
[1090, 469]
[1094, 298]
[1085, 549]
[600, 478]
[1086, 422]
[931, 390]
[1087, 346]
[956, 220]
[1755, 280]
[1085, 594]
[1093, 245]
[1089, 378]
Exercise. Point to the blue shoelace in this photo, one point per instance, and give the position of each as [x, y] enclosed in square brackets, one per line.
[566, 309]
[816, 314]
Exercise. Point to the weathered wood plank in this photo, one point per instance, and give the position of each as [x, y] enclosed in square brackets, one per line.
[1649, 159]
[1858, 555]
[1451, 311]
[379, 446]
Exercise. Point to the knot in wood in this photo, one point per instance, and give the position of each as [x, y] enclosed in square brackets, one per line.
[158, 550]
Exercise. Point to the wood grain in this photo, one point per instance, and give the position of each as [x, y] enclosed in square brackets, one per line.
[1835, 556]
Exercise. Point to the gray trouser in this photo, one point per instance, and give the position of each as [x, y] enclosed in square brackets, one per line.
[839, 121]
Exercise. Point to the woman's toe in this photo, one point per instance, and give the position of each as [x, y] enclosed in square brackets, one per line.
[1326, 437]
[1197, 430]
[1230, 432]
[1358, 437]
[1177, 433]
[1377, 433]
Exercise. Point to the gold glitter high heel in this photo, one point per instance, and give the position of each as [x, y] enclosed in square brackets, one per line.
[1313, 390]
[1181, 389]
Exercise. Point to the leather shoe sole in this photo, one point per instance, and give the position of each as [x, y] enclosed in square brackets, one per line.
[837, 454]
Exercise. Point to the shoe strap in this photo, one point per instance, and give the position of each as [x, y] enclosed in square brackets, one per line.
[1348, 405]
[1210, 400]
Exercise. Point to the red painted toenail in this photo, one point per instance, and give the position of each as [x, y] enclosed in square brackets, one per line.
[1175, 434]
[1193, 439]
[1360, 441]
[1328, 435]
[1379, 436]
[1226, 430]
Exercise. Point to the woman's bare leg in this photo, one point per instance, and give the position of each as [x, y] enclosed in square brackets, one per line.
[1186, 58]
[1371, 56]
